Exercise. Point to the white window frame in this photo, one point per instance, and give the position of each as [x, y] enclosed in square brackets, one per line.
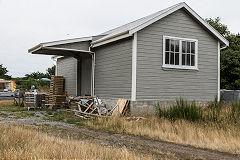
[180, 66]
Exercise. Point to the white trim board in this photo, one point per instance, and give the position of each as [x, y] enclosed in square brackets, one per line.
[218, 91]
[134, 67]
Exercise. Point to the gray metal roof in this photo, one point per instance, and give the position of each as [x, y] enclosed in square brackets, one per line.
[139, 24]
[136, 23]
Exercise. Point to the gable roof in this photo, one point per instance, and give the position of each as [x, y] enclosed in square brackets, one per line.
[133, 27]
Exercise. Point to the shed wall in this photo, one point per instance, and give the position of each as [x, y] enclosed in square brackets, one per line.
[157, 83]
[113, 71]
[67, 67]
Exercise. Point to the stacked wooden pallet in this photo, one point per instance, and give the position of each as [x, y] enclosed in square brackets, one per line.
[57, 97]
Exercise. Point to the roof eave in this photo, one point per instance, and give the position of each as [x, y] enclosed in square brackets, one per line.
[54, 43]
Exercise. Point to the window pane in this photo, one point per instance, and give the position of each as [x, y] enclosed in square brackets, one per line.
[176, 46]
[167, 45]
[188, 47]
[183, 46]
[167, 58]
[176, 58]
[172, 45]
[192, 60]
[172, 58]
[188, 59]
[192, 47]
[183, 59]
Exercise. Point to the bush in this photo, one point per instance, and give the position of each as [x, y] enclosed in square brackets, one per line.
[181, 110]
[26, 84]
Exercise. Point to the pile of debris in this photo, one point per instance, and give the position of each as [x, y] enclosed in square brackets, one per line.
[93, 107]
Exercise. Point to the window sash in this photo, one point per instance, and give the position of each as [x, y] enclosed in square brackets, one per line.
[189, 54]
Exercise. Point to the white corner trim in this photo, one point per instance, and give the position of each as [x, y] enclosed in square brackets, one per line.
[77, 78]
[134, 67]
[218, 96]
[56, 69]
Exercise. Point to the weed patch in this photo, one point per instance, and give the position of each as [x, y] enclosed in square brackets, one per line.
[181, 110]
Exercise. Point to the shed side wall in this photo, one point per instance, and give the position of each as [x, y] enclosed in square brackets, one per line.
[67, 67]
[113, 70]
[156, 83]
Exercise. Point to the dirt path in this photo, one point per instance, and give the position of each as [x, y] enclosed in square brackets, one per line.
[137, 143]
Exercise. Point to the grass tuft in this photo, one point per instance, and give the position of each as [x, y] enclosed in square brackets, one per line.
[181, 110]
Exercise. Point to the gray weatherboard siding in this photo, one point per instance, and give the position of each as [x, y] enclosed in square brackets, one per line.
[67, 67]
[156, 83]
[113, 71]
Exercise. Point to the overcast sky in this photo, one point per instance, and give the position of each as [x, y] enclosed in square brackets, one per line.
[26, 23]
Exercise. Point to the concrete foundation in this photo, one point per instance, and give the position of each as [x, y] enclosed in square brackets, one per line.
[143, 108]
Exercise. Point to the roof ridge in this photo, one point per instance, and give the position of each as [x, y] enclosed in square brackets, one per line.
[137, 20]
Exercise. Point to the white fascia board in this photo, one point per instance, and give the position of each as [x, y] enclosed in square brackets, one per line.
[162, 15]
[66, 49]
[66, 41]
[182, 5]
[96, 44]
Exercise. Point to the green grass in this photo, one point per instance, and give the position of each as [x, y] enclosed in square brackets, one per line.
[22, 114]
[11, 108]
[64, 116]
[181, 110]
[3, 115]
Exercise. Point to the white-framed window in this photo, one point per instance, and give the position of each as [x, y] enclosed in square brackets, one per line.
[180, 53]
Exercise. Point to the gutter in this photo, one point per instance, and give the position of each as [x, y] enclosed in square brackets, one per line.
[224, 47]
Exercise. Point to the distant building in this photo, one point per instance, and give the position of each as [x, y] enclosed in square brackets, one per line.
[7, 85]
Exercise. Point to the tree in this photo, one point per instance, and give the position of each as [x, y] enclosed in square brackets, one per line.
[230, 69]
[221, 28]
[230, 57]
[38, 75]
[51, 70]
[3, 72]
